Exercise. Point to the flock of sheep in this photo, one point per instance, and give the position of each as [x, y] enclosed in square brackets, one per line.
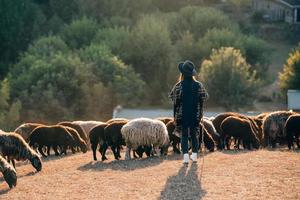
[142, 135]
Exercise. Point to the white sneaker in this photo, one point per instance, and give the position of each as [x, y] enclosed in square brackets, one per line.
[194, 157]
[185, 158]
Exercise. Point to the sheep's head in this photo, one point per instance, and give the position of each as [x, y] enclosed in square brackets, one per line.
[83, 147]
[36, 162]
[10, 176]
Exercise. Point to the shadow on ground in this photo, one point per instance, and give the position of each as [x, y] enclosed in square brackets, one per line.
[121, 165]
[184, 185]
[4, 191]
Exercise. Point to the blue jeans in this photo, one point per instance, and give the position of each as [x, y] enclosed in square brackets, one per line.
[185, 140]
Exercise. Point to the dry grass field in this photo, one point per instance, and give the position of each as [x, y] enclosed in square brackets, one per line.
[225, 175]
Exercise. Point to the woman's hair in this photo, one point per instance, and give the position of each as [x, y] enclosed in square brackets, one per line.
[182, 77]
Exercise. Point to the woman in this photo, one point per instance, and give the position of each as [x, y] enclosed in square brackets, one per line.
[188, 96]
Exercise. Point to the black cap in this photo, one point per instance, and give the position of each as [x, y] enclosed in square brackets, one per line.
[187, 68]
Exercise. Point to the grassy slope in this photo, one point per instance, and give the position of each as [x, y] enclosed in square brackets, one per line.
[225, 175]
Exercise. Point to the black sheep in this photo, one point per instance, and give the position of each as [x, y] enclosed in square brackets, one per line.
[77, 127]
[113, 138]
[79, 142]
[239, 128]
[174, 138]
[96, 136]
[292, 130]
[208, 140]
[217, 121]
[54, 136]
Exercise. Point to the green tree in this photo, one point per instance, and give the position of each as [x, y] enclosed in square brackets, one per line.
[20, 23]
[9, 112]
[125, 85]
[187, 48]
[228, 79]
[289, 78]
[256, 51]
[198, 20]
[149, 52]
[217, 38]
[79, 33]
[115, 38]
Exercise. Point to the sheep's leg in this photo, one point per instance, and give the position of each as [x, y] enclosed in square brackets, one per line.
[297, 140]
[119, 151]
[157, 150]
[73, 150]
[101, 150]
[48, 150]
[55, 150]
[94, 148]
[114, 149]
[134, 154]
[228, 142]
[41, 151]
[104, 148]
[127, 154]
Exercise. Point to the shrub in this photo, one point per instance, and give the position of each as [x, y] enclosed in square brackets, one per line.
[289, 78]
[228, 79]
[79, 33]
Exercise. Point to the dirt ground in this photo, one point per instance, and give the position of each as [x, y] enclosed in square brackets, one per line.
[225, 175]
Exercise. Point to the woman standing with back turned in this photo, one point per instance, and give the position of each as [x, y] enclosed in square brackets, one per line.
[188, 96]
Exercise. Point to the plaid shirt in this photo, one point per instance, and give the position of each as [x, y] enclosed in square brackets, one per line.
[176, 96]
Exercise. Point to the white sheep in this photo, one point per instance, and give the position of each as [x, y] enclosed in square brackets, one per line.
[145, 132]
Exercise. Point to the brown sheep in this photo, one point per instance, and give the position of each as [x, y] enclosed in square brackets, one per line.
[292, 130]
[220, 117]
[212, 131]
[9, 173]
[77, 128]
[25, 130]
[239, 128]
[174, 138]
[165, 120]
[273, 127]
[113, 138]
[14, 147]
[78, 140]
[96, 136]
[51, 136]
[116, 119]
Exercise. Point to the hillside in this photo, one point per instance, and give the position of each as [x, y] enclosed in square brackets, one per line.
[259, 174]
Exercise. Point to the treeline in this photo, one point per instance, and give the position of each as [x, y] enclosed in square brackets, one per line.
[77, 59]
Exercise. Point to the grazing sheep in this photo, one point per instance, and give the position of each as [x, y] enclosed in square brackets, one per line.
[143, 131]
[165, 120]
[87, 125]
[116, 119]
[78, 128]
[14, 147]
[173, 137]
[79, 142]
[141, 149]
[239, 128]
[96, 136]
[25, 130]
[273, 127]
[9, 173]
[220, 117]
[292, 130]
[208, 140]
[208, 125]
[52, 136]
[113, 138]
